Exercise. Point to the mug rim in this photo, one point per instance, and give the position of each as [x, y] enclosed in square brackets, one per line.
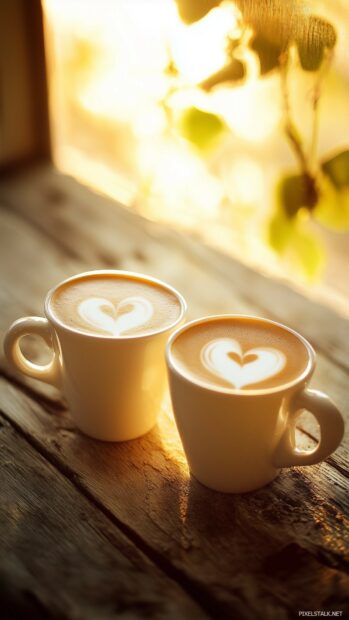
[307, 372]
[123, 274]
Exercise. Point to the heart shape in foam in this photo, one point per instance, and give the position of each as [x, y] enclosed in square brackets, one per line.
[104, 316]
[224, 358]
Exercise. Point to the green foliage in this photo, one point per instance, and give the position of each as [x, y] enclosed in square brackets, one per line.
[289, 235]
[280, 231]
[278, 26]
[337, 169]
[191, 11]
[291, 240]
[332, 209]
[308, 252]
[201, 128]
[297, 191]
[326, 198]
[233, 72]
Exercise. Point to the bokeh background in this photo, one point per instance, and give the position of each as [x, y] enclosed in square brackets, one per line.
[229, 120]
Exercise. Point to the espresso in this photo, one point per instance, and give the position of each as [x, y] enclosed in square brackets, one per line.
[114, 305]
[240, 354]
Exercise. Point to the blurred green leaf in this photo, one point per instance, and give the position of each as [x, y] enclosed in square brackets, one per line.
[191, 11]
[268, 53]
[280, 231]
[290, 239]
[297, 191]
[315, 35]
[308, 252]
[233, 72]
[337, 169]
[201, 128]
[333, 208]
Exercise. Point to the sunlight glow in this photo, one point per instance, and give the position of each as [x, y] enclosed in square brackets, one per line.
[253, 110]
[199, 49]
[181, 189]
[245, 181]
[122, 75]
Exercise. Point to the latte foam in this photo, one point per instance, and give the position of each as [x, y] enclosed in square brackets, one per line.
[240, 353]
[114, 305]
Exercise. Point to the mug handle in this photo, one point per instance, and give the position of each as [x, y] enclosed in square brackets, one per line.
[48, 373]
[331, 430]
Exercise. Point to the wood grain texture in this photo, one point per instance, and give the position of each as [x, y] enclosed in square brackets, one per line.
[261, 555]
[103, 233]
[78, 230]
[61, 558]
[219, 545]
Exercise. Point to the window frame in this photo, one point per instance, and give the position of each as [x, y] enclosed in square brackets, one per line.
[24, 117]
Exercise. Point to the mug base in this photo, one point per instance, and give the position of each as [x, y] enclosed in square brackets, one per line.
[117, 438]
[236, 489]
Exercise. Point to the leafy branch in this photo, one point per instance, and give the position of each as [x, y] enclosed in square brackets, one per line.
[320, 188]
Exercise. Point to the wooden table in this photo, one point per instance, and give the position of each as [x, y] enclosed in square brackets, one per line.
[90, 530]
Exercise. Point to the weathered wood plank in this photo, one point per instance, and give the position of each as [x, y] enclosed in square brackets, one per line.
[30, 264]
[61, 558]
[110, 234]
[238, 552]
[219, 544]
[23, 292]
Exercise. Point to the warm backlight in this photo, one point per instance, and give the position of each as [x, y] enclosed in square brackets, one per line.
[123, 76]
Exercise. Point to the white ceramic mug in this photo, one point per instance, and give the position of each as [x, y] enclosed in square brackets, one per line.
[237, 441]
[113, 385]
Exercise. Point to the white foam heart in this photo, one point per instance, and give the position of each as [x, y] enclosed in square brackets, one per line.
[103, 315]
[267, 362]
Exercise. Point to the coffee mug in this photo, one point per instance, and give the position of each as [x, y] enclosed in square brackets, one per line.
[237, 386]
[107, 331]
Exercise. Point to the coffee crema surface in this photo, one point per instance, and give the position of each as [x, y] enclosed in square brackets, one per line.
[115, 305]
[239, 353]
